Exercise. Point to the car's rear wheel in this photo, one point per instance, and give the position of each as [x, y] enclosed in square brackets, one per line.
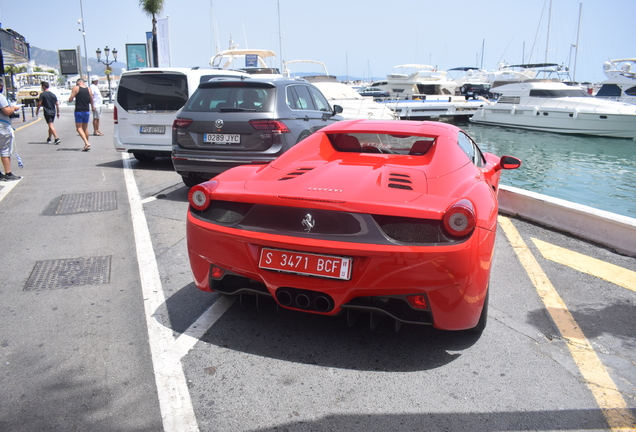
[143, 157]
[483, 318]
[192, 180]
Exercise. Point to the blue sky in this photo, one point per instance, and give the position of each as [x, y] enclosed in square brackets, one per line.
[354, 37]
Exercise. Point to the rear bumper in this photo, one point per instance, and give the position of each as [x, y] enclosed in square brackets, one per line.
[201, 164]
[453, 278]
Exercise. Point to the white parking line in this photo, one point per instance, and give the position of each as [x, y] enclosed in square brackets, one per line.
[7, 187]
[177, 412]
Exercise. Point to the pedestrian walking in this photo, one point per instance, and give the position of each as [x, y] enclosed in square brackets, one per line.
[83, 104]
[51, 107]
[97, 105]
[7, 138]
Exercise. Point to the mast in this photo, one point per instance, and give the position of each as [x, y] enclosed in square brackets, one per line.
[576, 47]
[547, 40]
[280, 38]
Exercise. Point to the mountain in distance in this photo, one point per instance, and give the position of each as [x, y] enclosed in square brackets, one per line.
[50, 58]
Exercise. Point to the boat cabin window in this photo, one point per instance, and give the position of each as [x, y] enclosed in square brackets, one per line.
[609, 90]
[559, 93]
[631, 91]
[408, 145]
[470, 148]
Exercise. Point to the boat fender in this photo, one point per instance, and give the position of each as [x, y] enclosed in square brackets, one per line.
[535, 111]
[514, 108]
[575, 113]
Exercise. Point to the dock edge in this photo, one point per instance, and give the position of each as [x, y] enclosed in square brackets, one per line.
[608, 229]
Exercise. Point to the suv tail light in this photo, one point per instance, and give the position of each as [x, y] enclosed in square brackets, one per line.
[459, 219]
[181, 124]
[276, 126]
[115, 120]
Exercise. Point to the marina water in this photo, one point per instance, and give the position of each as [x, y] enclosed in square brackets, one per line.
[594, 171]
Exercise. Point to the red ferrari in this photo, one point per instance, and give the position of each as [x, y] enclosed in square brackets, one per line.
[388, 218]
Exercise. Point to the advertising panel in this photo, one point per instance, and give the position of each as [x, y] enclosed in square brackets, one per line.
[136, 56]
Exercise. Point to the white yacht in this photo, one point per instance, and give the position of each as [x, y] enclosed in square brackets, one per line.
[416, 80]
[553, 106]
[253, 61]
[354, 105]
[620, 84]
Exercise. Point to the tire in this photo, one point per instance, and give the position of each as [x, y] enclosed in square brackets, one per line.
[191, 180]
[483, 318]
[143, 157]
[302, 136]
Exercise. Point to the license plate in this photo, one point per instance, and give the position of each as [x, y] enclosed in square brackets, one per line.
[152, 129]
[222, 138]
[307, 264]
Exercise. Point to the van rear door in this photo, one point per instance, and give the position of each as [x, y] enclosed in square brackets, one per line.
[147, 102]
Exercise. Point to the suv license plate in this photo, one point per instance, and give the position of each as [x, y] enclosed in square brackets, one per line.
[328, 266]
[152, 129]
[222, 138]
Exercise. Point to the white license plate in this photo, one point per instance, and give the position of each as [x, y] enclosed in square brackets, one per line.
[222, 138]
[152, 129]
[306, 264]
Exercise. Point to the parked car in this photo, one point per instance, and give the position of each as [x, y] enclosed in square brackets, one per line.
[231, 122]
[146, 104]
[375, 92]
[390, 218]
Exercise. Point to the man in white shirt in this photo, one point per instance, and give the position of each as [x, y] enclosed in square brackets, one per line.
[97, 105]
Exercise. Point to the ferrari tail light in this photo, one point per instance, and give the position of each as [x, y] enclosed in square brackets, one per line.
[276, 126]
[181, 123]
[417, 301]
[200, 195]
[459, 219]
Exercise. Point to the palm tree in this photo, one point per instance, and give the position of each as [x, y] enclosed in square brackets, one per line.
[153, 8]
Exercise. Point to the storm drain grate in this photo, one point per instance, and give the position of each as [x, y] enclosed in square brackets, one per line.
[87, 202]
[65, 273]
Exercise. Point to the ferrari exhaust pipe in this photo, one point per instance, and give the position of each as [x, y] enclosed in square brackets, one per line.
[284, 298]
[302, 301]
[322, 304]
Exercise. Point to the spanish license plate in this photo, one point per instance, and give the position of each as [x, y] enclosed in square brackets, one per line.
[307, 264]
[222, 138]
[152, 129]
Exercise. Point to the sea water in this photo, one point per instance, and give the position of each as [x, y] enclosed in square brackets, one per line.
[594, 171]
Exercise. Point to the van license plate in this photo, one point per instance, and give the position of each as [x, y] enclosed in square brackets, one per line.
[152, 129]
[222, 138]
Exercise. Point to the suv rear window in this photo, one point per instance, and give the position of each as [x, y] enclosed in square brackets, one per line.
[226, 97]
[154, 92]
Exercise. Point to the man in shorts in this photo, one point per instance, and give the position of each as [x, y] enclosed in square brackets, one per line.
[97, 105]
[83, 104]
[6, 135]
[50, 105]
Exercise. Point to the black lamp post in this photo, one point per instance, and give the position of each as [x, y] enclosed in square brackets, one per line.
[108, 69]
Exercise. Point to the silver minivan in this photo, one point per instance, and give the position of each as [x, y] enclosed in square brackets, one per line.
[146, 104]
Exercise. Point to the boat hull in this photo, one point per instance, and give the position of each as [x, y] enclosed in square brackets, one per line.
[565, 121]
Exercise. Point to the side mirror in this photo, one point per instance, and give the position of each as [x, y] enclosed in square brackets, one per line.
[337, 109]
[508, 162]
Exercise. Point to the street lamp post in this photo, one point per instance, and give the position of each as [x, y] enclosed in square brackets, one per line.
[108, 69]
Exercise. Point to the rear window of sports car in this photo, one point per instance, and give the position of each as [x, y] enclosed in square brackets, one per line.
[382, 143]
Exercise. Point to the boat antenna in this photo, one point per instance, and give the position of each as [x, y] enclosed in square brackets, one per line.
[576, 47]
[547, 39]
[280, 37]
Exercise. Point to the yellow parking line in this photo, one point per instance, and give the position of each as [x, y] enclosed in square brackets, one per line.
[612, 273]
[604, 390]
[28, 124]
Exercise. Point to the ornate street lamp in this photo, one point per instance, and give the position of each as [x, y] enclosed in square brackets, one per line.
[108, 69]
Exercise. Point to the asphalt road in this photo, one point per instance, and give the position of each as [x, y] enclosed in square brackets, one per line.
[102, 329]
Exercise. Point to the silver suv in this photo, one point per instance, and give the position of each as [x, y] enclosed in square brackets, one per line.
[231, 122]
